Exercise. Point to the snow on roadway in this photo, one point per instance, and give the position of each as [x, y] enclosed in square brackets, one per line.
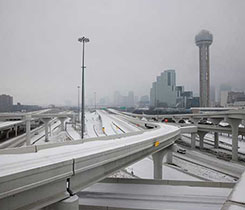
[93, 125]
[144, 169]
[203, 172]
[123, 124]
[110, 127]
[145, 196]
[182, 170]
[228, 140]
[68, 152]
[39, 138]
[210, 161]
[55, 136]
[74, 134]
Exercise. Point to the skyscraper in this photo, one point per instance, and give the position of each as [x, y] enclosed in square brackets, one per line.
[203, 40]
[163, 91]
[131, 102]
[6, 103]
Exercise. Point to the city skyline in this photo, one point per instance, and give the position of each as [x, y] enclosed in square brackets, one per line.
[41, 56]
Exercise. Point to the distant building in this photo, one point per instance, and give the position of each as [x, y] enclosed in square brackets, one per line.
[26, 108]
[222, 88]
[144, 98]
[212, 96]
[123, 101]
[6, 103]
[131, 102]
[136, 99]
[187, 98]
[224, 98]
[117, 98]
[179, 96]
[232, 98]
[163, 91]
[179, 91]
[235, 97]
[195, 102]
[144, 101]
[68, 103]
[104, 101]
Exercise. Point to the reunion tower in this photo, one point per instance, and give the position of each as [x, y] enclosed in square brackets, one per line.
[203, 40]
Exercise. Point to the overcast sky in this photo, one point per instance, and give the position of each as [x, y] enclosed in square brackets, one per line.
[131, 42]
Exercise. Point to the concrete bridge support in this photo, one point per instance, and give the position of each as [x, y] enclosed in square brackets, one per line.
[62, 121]
[195, 120]
[50, 129]
[193, 140]
[158, 161]
[201, 135]
[215, 121]
[16, 130]
[46, 122]
[216, 140]
[7, 133]
[74, 120]
[234, 126]
[71, 203]
[28, 129]
[176, 119]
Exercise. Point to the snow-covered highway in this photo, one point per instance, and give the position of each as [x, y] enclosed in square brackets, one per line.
[114, 125]
[49, 169]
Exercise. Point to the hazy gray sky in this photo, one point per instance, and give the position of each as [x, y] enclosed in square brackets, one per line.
[131, 42]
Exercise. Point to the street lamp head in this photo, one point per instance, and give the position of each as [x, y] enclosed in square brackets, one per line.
[86, 39]
[83, 39]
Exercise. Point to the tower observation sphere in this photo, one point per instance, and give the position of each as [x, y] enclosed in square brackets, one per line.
[203, 40]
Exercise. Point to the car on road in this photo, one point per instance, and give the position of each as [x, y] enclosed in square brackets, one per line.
[181, 151]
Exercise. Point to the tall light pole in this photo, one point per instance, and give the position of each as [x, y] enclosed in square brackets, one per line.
[78, 101]
[95, 101]
[83, 40]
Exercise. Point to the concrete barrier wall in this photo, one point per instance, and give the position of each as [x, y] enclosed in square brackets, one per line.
[169, 182]
[35, 148]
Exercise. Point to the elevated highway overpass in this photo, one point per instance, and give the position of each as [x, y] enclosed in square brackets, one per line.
[25, 119]
[36, 176]
[233, 117]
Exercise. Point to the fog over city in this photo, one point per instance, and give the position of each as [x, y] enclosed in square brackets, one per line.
[131, 43]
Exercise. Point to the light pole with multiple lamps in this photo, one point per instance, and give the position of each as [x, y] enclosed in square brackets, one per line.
[83, 40]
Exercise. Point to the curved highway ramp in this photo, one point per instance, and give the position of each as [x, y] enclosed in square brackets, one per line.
[37, 176]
